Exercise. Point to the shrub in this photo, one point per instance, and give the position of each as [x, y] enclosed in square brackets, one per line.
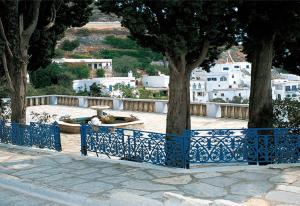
[83, 32]
[219, 100]
[68, 45]
[59, 53]
[120, 43]
[236, 100]
[286, 113]
[80, 71]
[100, 73]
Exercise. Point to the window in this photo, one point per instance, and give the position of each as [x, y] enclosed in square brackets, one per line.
[230, 86]
[199, 86]
[278, 87]
[223, 79]
[294, 95]
[288, 96]
[287, 88]
[279, 96]
[240, 94]
[212, 79]
[215, 94]
[90, 65]
[294, 88]
[247, 66]
[222, 94]
[234, 82]
[232, 76]
[200, 94]
[219, 85]
[225, 68]
[194, 86]
[95, 66]
[237, 67]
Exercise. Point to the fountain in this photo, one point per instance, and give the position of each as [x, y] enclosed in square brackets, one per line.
[72, 125]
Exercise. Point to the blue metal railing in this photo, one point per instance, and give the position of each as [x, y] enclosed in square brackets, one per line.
[34, 134]
[253, 146]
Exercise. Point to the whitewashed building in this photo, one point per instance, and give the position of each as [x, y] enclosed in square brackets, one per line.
[283, 88]
[108, 82]
[228, 94]
[105, 64]
[198, 91]
[160, 81]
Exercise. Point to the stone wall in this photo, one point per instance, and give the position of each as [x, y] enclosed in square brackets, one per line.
[215, 110]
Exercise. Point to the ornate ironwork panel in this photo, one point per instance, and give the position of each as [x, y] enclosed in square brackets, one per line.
[35, 134]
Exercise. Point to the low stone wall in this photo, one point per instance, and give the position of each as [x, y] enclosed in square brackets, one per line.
[210, 109]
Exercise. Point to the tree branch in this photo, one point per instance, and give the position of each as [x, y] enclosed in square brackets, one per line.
[34, 19]
[7, 75]
[51, 19]
[201, 57]
[2, 33]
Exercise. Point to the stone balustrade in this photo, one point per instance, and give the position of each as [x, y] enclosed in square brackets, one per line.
[210, 109]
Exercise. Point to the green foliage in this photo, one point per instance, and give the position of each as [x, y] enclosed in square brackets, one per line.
[286, 113]
[147, 94]
[59, 74]
[124, 64]
[80, 71]
[219, 100]
[95, 90]
[59, 53]
[68, 45]
[121, 43]
[71, 13]
[127, 91]
[236, 100]
[4, 105]
[83, 32]
[100, 73]
[80, 56]
[50, 90]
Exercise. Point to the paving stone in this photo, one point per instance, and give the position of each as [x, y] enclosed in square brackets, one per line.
[138, 174]
[296, 183]
[257, 202]
[67, 182]
[111, 171]
[255, 189]
[159, 173]
[199, 189]
[136, 192]
[147, 186]
[251, 175]
[288, 188]
[92, 187]
[178, 180]
[220, 181]
[206, 175]
[283, 197]
[86, 171]
[113, 180]
[236, 198]
[283, 178]
[35, 175]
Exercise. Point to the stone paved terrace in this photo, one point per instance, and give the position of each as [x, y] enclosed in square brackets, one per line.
[152, 121]
[52, 178]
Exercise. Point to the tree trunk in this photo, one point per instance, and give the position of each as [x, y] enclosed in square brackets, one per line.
[18, 98]
[260, 105]
[178, 118]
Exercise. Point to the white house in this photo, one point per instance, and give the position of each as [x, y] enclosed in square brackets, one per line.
[91, 63]
[108, 82]
[198, 91]
[229, 94]
[160, 81]
[283, 88]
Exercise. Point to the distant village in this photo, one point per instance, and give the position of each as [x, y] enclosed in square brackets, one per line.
[225, 82]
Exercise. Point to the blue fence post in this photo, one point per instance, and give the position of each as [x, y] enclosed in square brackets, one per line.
[186, 148]
[14, 135]
[2, 131]
[83, 135]
[57, 140]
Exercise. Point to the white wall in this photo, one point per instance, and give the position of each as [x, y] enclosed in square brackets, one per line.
[228, 94]
[108, 82]
[156, 81]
